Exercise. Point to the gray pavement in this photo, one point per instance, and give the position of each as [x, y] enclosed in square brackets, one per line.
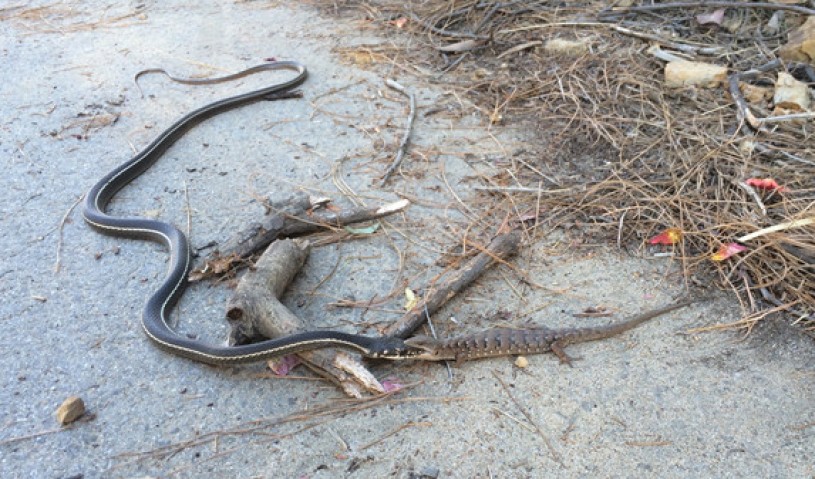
[652, 403]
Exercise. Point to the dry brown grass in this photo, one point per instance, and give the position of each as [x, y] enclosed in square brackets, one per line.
[623, 155]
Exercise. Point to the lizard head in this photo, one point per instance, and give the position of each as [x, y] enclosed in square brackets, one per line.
[426, 348]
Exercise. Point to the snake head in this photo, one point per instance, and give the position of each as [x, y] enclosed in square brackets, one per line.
[394, 348]
[388, 347]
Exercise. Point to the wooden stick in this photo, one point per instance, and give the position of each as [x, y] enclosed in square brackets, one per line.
[501, 247]
[255, 312]
[290, 219]
[400, 152]
[706, 4]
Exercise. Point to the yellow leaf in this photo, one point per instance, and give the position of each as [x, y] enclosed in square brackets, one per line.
[410, 299]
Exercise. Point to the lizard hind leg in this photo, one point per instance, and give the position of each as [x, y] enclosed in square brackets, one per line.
[557, 348]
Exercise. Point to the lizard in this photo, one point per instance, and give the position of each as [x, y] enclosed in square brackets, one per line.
[507, 341]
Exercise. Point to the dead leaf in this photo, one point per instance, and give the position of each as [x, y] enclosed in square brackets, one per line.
[715, 17]
[363, 231]
[360, 58]
[800, 45]
[399, 22]
[680, 73]
[521, 47]
[790, 94]
[754, 94]
[567, 47]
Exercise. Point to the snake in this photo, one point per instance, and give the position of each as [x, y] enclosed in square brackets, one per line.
[490, 343]
[159, 305]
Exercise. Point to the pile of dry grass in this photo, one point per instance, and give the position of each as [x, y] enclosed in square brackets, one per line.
[623, 153]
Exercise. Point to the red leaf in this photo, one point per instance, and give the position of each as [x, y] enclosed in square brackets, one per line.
[727, 250]
[765, 184]
[668, 237]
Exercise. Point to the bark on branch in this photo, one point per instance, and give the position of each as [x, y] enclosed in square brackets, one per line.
[293, 217]
[501, 248]
[254, 312]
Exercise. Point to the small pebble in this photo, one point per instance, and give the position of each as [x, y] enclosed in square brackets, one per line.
[70, 410]
[521, 362]
[428, 472]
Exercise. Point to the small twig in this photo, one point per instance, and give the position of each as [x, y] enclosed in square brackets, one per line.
[528, 417]
[293, 220]
[682, 47]
[791, 117]
[488, 16]
[450, 66]
[395, 431]
[538, 172]
[445, 33]
[620, 230]
[766, 150]
[648, 443]
[776, 228]
[400, 152]
[538, 205]
[518, 48]
[189, 211]
[743, 112]
[32, 436]
[752, 192]
[524, 425]
[342, 186]
[673, 5]
[260, 426]
[58, 262]
[501, 247]
[746, 322]
[523, 189]
[663, 55]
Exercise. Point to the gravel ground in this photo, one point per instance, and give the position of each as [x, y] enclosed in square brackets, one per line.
[654, 402]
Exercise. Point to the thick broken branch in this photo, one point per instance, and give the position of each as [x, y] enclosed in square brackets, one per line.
[255, 313]
[501, 248]
[292, 218]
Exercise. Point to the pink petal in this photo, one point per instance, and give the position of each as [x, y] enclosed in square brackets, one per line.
[283, 365]
[391, 385]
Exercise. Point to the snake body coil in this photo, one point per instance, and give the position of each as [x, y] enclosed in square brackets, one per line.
[154, 319]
